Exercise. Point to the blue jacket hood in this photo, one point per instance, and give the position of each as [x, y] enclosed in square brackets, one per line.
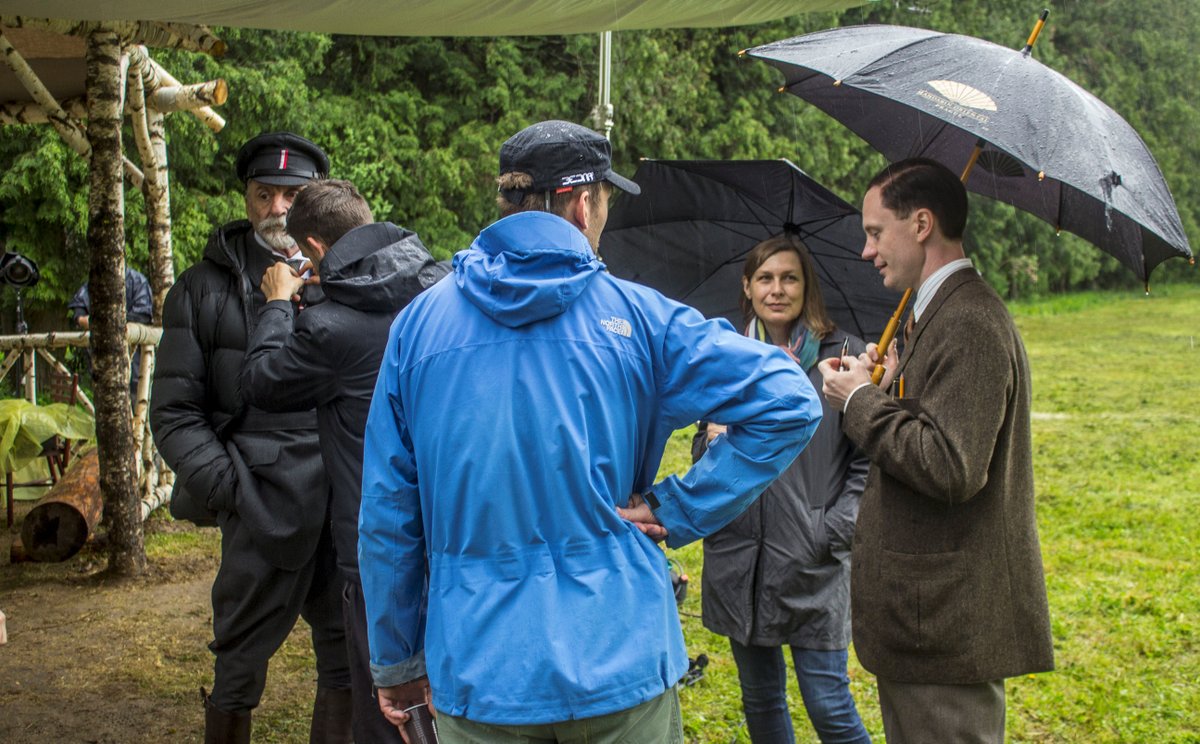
[525, 268]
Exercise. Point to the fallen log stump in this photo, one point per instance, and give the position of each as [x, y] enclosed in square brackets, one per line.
[63, 519]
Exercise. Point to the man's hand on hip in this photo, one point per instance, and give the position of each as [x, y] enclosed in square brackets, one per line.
[638, 512]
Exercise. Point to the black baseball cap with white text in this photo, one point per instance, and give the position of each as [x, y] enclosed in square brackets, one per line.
[560, 155]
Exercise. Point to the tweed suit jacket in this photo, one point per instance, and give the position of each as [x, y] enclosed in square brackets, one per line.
[947, 584]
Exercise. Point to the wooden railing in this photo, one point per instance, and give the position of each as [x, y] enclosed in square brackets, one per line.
[153, 477]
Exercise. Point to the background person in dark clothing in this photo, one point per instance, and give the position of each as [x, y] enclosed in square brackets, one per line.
[139, 308]
[779, 574]
[258, 475]
[327, 357]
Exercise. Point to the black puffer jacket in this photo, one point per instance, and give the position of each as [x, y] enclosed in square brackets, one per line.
[780, 573]
[329, 354]
[226, 455]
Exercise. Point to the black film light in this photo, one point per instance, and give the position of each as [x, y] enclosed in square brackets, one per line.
[18, 271]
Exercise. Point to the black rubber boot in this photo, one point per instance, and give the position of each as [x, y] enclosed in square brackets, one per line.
[221, 727]
[332, 712]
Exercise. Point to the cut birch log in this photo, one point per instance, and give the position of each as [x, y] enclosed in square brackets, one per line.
[136, 334]
[188, 97]
[187, 36]
[160, 497]
[62, 520]
[27, 112]
[68, 128]
[156, 77]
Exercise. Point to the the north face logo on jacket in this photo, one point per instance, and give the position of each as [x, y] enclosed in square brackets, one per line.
[616, 325]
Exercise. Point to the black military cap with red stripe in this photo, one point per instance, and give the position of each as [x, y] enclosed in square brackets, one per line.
[281, 159]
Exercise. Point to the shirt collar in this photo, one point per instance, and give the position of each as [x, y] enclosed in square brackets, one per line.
[931, 285]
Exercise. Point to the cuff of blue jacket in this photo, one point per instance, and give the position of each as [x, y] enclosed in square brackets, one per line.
[669, 512]
[397, 674]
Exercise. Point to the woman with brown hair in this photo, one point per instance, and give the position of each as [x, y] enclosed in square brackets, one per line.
[779, 574]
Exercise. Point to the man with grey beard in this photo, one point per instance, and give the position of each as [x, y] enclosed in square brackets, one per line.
[257, 475]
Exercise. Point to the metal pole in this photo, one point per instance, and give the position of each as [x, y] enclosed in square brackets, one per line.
[602, 115]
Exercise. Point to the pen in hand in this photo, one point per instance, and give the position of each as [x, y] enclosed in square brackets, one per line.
[845, 351]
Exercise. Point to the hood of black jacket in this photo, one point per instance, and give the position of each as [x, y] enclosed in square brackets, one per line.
[378, 267]
[220, 248]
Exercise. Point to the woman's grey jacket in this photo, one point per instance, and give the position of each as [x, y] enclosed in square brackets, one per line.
[780, 573]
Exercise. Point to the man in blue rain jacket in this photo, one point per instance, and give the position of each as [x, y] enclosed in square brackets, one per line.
[518, 408]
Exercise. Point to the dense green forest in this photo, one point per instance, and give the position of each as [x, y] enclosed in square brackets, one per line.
[417, 123]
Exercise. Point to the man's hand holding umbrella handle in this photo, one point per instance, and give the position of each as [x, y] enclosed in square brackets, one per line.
[396, 701]
[638, 512]
[890, 363]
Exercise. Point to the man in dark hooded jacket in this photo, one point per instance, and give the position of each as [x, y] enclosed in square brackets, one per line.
[327, 357]
[256, 474]
[139, 308]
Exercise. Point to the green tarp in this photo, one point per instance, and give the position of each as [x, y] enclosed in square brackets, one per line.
[432, 17]
[24, 426]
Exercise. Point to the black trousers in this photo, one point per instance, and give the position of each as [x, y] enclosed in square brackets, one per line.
[369, 723]
[255, 607]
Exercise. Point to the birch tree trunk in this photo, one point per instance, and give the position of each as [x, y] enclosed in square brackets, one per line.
[162, 260]
[106, 283]
[148, 133]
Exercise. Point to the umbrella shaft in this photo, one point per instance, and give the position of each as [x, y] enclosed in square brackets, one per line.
[888, 334]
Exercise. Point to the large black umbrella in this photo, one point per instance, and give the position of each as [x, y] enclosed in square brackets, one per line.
[1048, 146]
[688, 233]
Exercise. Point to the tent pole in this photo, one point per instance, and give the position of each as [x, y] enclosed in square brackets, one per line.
[602, 115]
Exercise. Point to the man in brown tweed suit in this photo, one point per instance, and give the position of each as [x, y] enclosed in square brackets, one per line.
[947, 592]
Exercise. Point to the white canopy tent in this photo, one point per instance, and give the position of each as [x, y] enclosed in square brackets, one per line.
[433, 17]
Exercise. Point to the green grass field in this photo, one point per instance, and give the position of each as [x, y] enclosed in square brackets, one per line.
[1118, 482]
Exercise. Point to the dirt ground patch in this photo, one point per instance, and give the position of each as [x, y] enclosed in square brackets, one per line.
[91, 659]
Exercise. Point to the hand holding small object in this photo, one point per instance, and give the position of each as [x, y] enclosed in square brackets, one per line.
[281, 282]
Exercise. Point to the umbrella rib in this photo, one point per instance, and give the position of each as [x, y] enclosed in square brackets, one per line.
[928, 142]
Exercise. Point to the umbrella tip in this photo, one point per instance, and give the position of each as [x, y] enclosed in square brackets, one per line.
[742, 52]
